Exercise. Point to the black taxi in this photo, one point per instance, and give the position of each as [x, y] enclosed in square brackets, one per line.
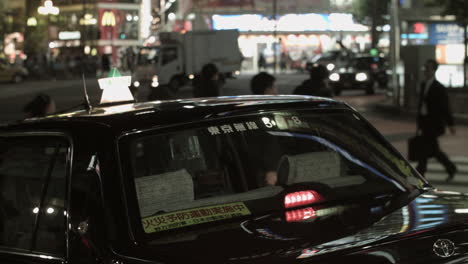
[248, 179]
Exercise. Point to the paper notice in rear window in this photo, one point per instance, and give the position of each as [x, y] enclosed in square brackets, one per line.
[165, 192]
[195, 216]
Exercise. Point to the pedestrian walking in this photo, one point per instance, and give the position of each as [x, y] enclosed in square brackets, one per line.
[434, 114]
[207, 84]
[284, 61]
[105, 64]
[263, 84]
[317, 84]
[261, 63]
[41, 105]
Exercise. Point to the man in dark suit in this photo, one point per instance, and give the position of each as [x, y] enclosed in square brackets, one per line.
[434, 115]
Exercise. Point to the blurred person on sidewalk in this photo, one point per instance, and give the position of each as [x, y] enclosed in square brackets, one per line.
[268, 157]
[208, 83]
[263, 83]
[434, 114]
[261, 63]
[41, 105]
[317, 84]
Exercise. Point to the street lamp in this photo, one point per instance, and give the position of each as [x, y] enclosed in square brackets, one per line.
[31, 22]
[48, 8]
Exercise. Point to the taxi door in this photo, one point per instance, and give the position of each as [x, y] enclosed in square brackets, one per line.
[33, 195]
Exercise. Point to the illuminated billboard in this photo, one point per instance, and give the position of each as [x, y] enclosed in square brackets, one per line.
[288, 22]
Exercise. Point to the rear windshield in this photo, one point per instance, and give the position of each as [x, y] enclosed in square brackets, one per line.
[218, 170]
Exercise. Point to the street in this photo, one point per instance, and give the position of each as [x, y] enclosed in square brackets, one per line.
[396, 128]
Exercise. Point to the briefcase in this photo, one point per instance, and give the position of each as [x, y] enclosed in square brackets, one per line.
[416, 148]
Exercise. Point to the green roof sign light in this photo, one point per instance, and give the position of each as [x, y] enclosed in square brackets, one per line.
[115, 88]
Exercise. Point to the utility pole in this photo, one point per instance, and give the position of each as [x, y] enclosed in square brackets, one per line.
[375, 7]
[465, 58]
[395, 50]
[162, 11]
[275, 12]
[84, 36]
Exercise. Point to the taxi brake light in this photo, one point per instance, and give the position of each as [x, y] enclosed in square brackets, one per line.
[300, 215]
[300, 198]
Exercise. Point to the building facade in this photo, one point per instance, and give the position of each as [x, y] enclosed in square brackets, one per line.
[294, 31]
[100, 27]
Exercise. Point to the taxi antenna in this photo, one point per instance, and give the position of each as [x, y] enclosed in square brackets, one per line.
[87, 102]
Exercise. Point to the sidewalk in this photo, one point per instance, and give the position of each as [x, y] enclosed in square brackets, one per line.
[388, 107]
[397, 126]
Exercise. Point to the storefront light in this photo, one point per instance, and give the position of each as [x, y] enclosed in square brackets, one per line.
[108, 19]
[191, 16]
[136, 18]
[32, 22]
[88, 20]
[171, 16]
[129, 17]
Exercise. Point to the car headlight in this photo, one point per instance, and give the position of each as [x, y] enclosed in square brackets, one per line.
[361, 77]
[136, 84]
[330, 66]
[334, 77]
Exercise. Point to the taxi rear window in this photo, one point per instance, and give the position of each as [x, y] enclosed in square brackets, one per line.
[219, 170]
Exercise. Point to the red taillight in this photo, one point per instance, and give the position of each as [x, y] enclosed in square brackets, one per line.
[300, 198]
[374, 66]
[300, 215]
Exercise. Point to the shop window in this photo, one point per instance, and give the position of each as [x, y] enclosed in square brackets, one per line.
[32, 194]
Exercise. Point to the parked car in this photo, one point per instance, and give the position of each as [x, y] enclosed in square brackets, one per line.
[12, 72]
[360, 73]
[250, 179]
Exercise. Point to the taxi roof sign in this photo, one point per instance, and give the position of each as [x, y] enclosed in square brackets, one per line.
[115, 88]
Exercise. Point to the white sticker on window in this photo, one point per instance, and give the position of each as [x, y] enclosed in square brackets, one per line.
[227, 129]
[214, 130]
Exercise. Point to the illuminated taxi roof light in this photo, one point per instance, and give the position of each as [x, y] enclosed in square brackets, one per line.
[300, 198]
[115, 88]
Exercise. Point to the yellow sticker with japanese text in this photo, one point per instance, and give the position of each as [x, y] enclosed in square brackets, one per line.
[178, 219]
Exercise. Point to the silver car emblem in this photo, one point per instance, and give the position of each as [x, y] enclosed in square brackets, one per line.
[444, 248]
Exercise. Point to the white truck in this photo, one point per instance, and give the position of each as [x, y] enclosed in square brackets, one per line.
[181, 56]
